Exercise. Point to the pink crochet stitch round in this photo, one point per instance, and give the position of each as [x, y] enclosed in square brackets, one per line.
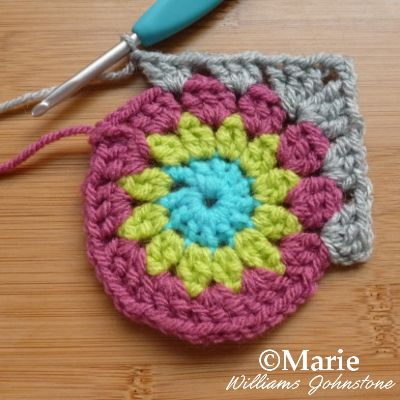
[122, 147]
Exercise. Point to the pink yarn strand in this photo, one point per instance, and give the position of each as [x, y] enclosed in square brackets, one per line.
[33, 148]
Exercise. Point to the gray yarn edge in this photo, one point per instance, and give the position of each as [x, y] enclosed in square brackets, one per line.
[332, 105]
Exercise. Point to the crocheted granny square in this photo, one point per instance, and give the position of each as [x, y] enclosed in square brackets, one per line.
[217, 198]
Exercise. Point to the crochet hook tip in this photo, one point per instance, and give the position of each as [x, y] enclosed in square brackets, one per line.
[40, 109]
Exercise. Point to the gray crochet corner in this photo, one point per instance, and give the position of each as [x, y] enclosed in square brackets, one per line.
[319, 88]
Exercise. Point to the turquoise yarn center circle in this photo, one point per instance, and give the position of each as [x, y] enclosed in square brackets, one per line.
[210, 201]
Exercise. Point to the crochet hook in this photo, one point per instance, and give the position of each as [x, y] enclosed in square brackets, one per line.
[162, 20]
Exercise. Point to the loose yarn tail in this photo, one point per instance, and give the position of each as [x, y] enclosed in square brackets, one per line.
[33, 148]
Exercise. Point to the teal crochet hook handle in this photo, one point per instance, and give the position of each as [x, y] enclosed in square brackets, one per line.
[167, 17]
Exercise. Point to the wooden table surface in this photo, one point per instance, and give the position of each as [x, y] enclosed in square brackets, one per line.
[60, 337]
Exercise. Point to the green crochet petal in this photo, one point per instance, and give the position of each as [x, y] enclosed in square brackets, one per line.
[260, 155]
[227, 268]
[194, 269]
[146, 221]
[164, 251]
[256, 251]
[167, 149]
[275, 222]
[149, 185]
[231, 138]
[273, 186]
[197, 138]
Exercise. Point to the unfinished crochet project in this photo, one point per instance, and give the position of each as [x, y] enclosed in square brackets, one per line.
[217, 198]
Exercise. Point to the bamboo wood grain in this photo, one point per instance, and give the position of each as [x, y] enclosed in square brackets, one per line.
[60, 337]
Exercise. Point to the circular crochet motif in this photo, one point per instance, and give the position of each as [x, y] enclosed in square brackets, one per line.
[203, 215]
[214, 206]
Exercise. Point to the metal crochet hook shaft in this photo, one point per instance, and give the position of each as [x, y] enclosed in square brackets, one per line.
[162, 20]
[81, 79]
